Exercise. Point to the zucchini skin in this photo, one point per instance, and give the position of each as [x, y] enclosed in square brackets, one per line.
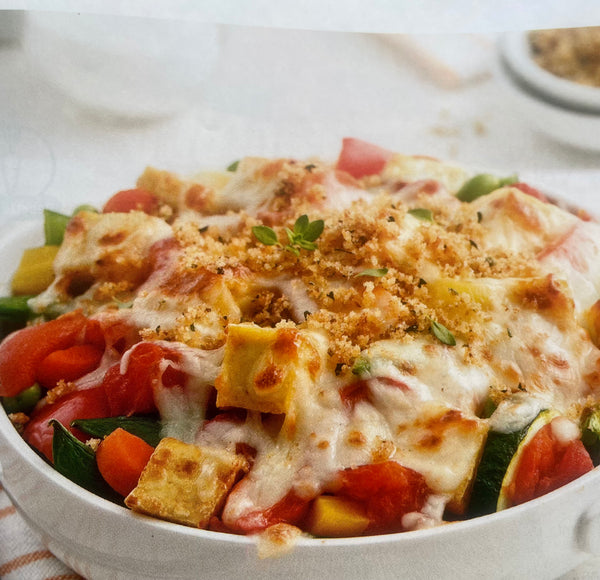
[497, 455]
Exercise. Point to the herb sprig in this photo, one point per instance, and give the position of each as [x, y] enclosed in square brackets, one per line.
[301, 237]
[442, 333]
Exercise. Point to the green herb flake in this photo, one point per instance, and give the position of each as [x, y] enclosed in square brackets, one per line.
[265, 235]
[301, 237]
[375, 272]
[233, 167]
[421, 214]
[361, 367]
[442, 333]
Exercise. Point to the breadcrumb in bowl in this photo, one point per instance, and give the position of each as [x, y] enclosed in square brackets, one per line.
[563, 109]
[557, 66]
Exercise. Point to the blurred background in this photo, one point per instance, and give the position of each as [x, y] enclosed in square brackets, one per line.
[87, 101]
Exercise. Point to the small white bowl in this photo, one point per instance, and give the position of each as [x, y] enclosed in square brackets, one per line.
[516, 52]
[563, 110]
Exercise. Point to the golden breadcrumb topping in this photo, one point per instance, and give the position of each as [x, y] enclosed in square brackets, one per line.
[354, 309]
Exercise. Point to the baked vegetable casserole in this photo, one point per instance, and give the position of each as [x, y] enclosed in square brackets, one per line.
[380, 344]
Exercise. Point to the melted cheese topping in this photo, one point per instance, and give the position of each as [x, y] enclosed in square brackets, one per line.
[334, 354]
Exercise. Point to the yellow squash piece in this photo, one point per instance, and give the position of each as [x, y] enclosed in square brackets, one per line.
[35, 272]
[335, 517]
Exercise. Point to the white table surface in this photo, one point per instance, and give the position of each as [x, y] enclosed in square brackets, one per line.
[274, 92]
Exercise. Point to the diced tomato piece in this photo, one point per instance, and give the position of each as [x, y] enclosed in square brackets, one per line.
[355, 393]
[133, 391]
[291, 509]
[359, 391]
[118, 335]
[22, 352]
[388, 491]
[359, 158]
[68, 364]
[86, 404]
[546, 464]
[132, 200]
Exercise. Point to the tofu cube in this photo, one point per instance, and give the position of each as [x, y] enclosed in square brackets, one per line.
[263, 367]
[184, 483]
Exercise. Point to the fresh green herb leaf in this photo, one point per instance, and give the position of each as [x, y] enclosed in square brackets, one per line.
[306, 245]
[77, 462]
[361, 367]
[302, 237]
[301, 225]
[422, 214]
[293, 250]
[265, 234]
[314, 230]
[233, 167]
[145, 427]
[442, 333]
[375, 272]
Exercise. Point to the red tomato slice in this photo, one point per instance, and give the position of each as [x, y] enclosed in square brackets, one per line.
[22, 352]
[359, 158]
[355, 393]
[132, 200]
[86, 404]
[291, 509]
[133, 391]
[388, 491]
[546, 464]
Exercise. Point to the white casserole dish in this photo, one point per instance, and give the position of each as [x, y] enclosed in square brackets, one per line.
[545, 538]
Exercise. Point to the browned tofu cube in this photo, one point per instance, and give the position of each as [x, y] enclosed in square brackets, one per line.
[263, 367]
[185, 483]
